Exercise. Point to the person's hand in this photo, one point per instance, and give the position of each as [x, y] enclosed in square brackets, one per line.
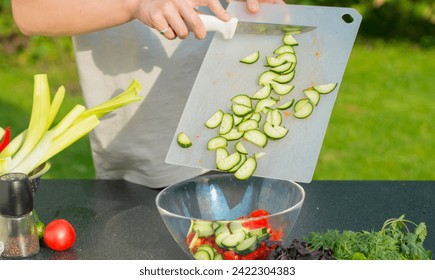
[174, 18]
[254, 5]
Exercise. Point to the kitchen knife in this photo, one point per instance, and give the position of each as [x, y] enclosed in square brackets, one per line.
[229, 28]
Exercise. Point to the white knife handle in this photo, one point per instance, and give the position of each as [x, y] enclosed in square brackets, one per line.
[226, 28]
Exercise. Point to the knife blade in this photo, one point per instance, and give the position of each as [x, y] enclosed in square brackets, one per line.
[229, 28]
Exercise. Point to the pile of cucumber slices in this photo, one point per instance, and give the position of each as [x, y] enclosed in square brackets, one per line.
[270, 103]
[226, 236]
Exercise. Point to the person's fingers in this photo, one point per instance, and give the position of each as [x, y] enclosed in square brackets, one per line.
[253, 6]
[216, 7]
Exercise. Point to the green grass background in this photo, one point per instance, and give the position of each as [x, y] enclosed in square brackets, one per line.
[382, 126]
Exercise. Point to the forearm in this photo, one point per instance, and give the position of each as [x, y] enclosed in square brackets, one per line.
[62, 17]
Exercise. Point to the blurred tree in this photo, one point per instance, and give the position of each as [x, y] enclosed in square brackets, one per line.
[402, 20]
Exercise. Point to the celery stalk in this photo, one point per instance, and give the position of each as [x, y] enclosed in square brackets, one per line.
[39, 118]
[69, 136]
[55, 104]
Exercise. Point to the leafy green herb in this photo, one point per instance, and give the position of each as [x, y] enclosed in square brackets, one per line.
[395, 241]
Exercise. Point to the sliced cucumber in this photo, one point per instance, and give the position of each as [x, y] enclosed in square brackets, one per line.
[235, 226]
[247, 125]
[274, 132]
[262, 93]
[300, 103]
[252, 58]
[208, 248]
[183, 141]
[304, 109]
[240, 110]
[266, 77]
[273, 61]
[240, 148]
[286, 105]
[313, 96]
[202, 255]
[285, 78]
[325, 89]
[218, 257]
[288, 39]
[234, 134]
[220, 237]
[229, 162]
[256, 117]
[223, 228]
[203, 228]
[217, 142]
[221, 153]
[263, 103]
[232, 240]
[247, 246]
[237, 120]
[289, 57]
[226, 124]
[257, 231]
[282, 89]
[215, 120]
[243, 158]
[194, 240]
[256, 137]
[283, 49]
[282, 68]
[242, 99]
[247, 169]
[274, 117]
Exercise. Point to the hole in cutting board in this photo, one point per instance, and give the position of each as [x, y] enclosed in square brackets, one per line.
[347, 18]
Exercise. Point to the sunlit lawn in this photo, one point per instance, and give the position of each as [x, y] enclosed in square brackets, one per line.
[382, 125]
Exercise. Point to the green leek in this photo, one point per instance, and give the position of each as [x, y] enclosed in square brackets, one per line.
[55, 105]
[69, 136]
[130, 95]
[14, 145]
[30, 162]
[68, 120]
[39, 118]
[40, 142]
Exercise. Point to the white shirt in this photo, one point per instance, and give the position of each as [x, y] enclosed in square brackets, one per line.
[132, 142]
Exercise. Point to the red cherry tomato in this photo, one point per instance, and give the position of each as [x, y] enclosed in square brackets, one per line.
[59, 235]
[258, 213]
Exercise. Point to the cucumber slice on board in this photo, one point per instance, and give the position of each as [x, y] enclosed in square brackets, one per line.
[256, 137]
[215, 120]
[262, 93]
[242, 99]
[266, 77]
[288, 39]
[313, 96]
[183, 140]
[229, 162]
[303, 108]
[325, 89]
[226, 124]
[252, 58]
[274, 132]
[217, 142]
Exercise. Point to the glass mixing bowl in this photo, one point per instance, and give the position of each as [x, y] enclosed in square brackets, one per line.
[220, 217]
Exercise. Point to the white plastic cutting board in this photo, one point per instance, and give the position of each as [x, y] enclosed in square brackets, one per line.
[322, 56]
